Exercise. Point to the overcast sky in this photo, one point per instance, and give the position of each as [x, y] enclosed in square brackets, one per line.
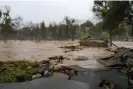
[50, 10]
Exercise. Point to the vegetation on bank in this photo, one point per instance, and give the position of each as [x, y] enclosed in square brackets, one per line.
[15, 28]
[17, 71]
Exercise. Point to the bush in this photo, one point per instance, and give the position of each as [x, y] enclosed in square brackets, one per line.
[48, 38]
[105, 35]
[7, 76]
[18, 71]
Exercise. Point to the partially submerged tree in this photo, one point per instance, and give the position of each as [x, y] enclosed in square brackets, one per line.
[101, 10]
[17, 23]
[112, 13]
[96, 30]
[70, 27]
[42, 30]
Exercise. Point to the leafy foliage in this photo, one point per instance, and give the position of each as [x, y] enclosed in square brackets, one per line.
[87, 24]
[13, 70]
[113, 13]
[105, 35]
[96, 30]
[6, 25]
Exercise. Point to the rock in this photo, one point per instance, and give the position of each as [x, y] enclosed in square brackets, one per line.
[44, 66]
[66, 71]
[41, 68]
[67, 58]
[81, 58]
[47, 73]
[72, 73]
[36, 76]
[57, 67]
[45, 61]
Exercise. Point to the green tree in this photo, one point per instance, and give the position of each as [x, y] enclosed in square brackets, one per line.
[17, 22]
[87, 24]
[6, 25]
[53, 28]
[113, 13]
[96, 30]
[70, 27]
[42, 30]
[101, 10]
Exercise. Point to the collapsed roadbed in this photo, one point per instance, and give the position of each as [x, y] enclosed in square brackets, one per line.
[52, 69]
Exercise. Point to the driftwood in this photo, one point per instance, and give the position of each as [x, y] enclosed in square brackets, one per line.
[70, 48]
[59, 59]
[73, 46]
[56, 58]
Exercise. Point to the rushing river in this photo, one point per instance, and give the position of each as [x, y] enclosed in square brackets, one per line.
[29, 50]
[16, 50]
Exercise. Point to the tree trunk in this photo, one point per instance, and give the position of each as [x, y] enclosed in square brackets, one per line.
[72, 34]
[110, 34]
[110, 40]
[67, 31]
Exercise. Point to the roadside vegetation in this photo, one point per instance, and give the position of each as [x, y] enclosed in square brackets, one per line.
[17, 71]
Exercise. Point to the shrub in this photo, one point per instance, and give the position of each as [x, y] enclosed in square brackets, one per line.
[18, 71]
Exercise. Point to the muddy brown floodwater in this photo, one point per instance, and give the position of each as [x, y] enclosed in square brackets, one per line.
[29, 50]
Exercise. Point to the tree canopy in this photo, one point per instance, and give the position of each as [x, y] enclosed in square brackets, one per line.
[87, 24]
[112, 13]
[6, 23]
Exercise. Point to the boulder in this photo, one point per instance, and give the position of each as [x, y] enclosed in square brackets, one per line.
[44, 66]
[72, 73]
[81, 58]
[36, 76]
[47, 73]
[57, 67]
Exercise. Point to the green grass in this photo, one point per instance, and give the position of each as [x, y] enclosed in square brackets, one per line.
[14, 70]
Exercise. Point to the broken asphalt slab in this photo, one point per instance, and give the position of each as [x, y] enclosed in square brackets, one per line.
[89, 79]
[58, 81]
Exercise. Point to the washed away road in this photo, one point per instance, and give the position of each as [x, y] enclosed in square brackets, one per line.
[40, 51]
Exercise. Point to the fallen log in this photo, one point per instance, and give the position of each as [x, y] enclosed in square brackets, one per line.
[56, 58]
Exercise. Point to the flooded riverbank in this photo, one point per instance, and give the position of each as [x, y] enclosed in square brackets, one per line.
[29, 50]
